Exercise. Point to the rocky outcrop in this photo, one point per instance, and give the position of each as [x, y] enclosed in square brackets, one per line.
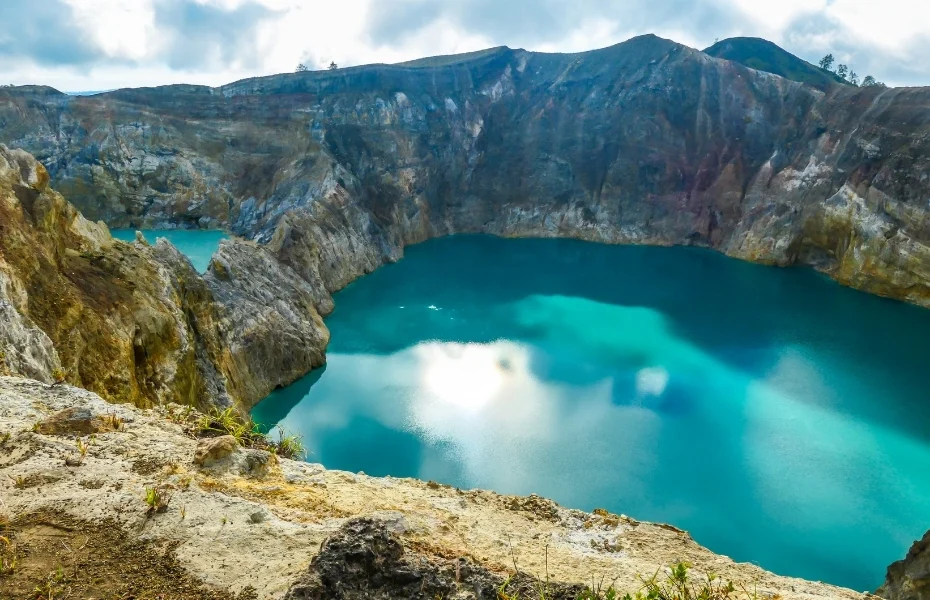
[136, 323]
[644, 142]
[301, 530]
[269, 332]
[909, 579]
[365, 559]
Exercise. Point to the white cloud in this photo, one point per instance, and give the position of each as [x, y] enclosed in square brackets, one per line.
[103, 44]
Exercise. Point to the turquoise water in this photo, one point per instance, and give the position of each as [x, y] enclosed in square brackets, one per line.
[778, 417]
[197, 244]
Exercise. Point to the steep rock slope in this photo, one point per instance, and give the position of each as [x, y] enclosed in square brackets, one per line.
[136, 323]
[909, 579]
[644, 142]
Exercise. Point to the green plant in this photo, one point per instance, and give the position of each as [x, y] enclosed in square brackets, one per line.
[157, 498]
[677, 584]
[228, 422]
[52, 588]
[59, 375]
[288, 446]
[19, 482]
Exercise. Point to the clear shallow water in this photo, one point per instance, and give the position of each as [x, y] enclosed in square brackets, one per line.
[780, 418]
[198, 245]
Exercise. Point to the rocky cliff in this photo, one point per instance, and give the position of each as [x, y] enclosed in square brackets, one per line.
[644, 142]
[136, 323]
[909, 579]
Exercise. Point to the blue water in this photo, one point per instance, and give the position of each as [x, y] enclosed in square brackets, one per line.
[780, 418]
[198, 244]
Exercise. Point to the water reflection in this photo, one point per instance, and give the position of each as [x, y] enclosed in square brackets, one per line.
[778, 434]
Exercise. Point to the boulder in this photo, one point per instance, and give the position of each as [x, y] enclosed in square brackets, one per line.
[211, 451]
[72, 421]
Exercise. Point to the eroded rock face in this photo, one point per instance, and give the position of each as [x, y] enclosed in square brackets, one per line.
[269, 330]
[909, 579]
[644, 142]
[136, 323]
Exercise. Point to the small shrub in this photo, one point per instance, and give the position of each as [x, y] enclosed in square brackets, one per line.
[8, 556]
[249, 434]
[112, 421]
[158, 499]
[676, 584]
[288, 446]
[59, 375]
[228, 422]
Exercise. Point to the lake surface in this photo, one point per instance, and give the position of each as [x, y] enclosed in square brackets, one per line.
[198, 244]
[779, 417]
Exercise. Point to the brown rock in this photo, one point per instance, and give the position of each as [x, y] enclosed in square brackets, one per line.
[72, 421]
[213, 450]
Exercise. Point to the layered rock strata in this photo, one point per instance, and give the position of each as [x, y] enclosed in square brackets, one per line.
[644, 142]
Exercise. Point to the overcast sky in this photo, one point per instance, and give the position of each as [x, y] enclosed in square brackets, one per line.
[77, 45]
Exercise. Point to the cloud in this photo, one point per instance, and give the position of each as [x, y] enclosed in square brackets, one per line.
[897, 59]
[45, 33]
[539, 23]
[205, 35]
[102, 44]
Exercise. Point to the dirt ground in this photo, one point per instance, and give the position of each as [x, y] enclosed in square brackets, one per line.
[58, 557]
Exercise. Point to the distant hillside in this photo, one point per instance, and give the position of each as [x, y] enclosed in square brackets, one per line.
[763, 55]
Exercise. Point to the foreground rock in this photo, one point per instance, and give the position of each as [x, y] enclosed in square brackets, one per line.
[306, 532]
[909, 579]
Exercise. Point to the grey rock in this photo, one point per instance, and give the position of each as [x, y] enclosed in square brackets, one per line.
[909, 579]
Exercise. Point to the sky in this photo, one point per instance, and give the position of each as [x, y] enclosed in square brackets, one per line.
[83, 45]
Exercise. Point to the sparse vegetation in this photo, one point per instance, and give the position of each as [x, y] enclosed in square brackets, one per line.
[53, 586]
[228, 422]
[182, 417]
[845, 73]
[112, 421]
[8, 555]
[59, 375]
[333, 66]
[301, 68]
[288, 446]
[82, 448]
[248, 433]
[158, 499]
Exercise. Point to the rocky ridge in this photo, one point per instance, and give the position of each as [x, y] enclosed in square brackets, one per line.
[646, 142]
